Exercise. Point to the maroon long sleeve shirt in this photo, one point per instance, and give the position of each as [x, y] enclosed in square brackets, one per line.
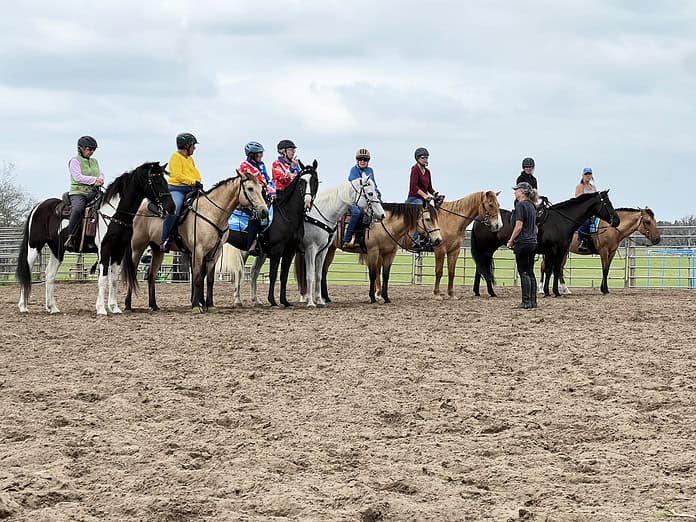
[419, 181]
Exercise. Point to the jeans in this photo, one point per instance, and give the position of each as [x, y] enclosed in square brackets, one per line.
[355, 215]
[78, 202]
[178, 195]
[584, 231]
[416, 200]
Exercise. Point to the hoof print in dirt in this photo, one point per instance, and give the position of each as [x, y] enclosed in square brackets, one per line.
[372, 514]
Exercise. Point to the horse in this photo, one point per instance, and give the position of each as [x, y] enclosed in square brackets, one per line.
[320, 227]
[400, 221]
[114, 229]
[561, 220]
[283, 235]
[607, 241]
[454, 217]
[202, 231]
[484, 243]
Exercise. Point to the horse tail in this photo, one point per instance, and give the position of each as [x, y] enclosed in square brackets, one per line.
[484, 262]
[128, 269]
[94, 267]
[23, 271]
[362, 259]
[230, 262]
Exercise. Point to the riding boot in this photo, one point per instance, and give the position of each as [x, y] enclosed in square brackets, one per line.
[69, 244]
[525, 285]
[533, 292]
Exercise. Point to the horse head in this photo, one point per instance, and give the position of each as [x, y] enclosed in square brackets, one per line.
[366, 197]
[151, 175]
[428, 223]
[309, 175]
[605, 209]
[489, 210]
[251, 194]
[648, 225]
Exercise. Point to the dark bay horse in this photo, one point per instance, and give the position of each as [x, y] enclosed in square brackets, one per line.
[383, 241]
[202, 232]
[281, 239]
[607, 240]
[454, 217]
[484, 243]
[561, 221]
[115, 213]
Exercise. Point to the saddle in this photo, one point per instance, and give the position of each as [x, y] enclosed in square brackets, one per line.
[362, 232]
[88, 226]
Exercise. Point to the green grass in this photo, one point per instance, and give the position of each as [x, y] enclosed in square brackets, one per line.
[651, 271]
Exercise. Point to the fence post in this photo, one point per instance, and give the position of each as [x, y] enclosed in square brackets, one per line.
[631, 257]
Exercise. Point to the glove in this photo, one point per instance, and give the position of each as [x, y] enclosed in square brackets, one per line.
[198, 185]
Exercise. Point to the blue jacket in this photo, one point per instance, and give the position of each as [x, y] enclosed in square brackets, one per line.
[355, 173]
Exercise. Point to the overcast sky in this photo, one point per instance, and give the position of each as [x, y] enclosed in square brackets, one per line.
[606, 84]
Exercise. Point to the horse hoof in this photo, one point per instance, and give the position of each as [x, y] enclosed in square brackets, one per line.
[311, 305]
[154, 308]
[286, 304]
[387, 301]
[115, 310]
[101, 312]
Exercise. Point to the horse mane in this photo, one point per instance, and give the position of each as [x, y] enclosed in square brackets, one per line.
[628, 209]
[574, 201]
[124, 181]
[222, 182]
[290, 189]
[408, 211]
[458, 205]
[330, 196]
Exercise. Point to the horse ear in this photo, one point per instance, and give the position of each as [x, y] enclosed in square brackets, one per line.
[497, 194]
[299, 161]
[315, 164]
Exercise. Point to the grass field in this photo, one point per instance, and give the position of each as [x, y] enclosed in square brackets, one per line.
[653, 269]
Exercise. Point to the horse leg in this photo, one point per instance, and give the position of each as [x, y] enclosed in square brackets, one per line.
[451, 267]
[310, 262]
[51, 271]
[209, 284]
[477, 283]
[255, 271]
[562, 284]
[32, 254]
[272, 275]
[318, 269]
[387, 262]
[103, 283]
[607, 258]
[284, 272]
[155, 265]
[114, 273]
[439, 265]
[556, 276]
[197, 304]
[301, 275]
[373, 276]
[330, 255]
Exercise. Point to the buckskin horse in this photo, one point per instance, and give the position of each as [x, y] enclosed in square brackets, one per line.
[202, 232]
[607, 239]
[320, 227]
[283, 235]
[383, 241]
[560, 222]
[115, 212]
[454, 217]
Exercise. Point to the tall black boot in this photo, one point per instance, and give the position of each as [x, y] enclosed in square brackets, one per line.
[525, 284]
[533, 291]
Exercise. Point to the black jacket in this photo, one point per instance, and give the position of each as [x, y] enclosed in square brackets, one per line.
[528, 178]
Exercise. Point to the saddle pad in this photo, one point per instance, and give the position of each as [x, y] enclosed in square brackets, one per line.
[239, 220]
[594, 225]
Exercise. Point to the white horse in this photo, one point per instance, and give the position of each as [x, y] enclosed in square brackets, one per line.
[231, 264]
[320, 227]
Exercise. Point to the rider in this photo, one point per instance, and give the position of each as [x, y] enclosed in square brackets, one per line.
[286, 167]
[421, 188]
[184, 177]
[85, 178]
[523, 241]
[527, 174]
[254, 165]
[362, 158]
[586, 186]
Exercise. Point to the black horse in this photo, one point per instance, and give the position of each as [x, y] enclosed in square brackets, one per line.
[484, 243]
[560, 222]
[280, 241]
[114, 229]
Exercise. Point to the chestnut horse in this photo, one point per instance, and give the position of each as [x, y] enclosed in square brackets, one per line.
[383, 241]
[454, 217]
[607, 240]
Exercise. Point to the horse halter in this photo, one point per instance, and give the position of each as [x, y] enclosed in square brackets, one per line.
[157, 195]
[242, 190]
[647, 232]
[423, 221]
[603, 199]
[362, 193]
[308, 170]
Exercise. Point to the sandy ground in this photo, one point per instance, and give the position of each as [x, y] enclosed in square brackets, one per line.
[422, 409]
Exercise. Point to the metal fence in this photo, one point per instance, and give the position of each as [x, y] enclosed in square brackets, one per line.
[671, 264]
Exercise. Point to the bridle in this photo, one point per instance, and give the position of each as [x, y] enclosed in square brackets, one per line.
[421, 220]
[362, 193]
[647, 232]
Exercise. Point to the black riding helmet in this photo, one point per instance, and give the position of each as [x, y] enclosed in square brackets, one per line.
[286, 144]
[421, 152]
[185, 140]
[87, 141]
[528, 163]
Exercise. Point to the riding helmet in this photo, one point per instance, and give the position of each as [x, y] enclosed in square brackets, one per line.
[528, 162]
[421, 152]
[253, 147]
[362, 154]
[87, 141]
[285, 144]
[185, 140]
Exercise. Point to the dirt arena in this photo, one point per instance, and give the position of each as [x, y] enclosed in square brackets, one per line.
[420, 410]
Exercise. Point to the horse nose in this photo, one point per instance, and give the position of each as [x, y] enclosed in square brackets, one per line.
[437, 241]
[656, 240]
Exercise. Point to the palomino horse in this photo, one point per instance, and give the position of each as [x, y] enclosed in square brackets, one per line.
[115, 214]
[561, 221]
[202, 232]
[484, 243]
[283, 235]
[320, 226]
[607, 240]
[400, 222]
[454, 217]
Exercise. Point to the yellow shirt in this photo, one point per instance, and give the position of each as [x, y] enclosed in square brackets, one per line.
[183, 171]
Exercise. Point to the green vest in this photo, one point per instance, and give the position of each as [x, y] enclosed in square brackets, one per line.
[89, 167]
